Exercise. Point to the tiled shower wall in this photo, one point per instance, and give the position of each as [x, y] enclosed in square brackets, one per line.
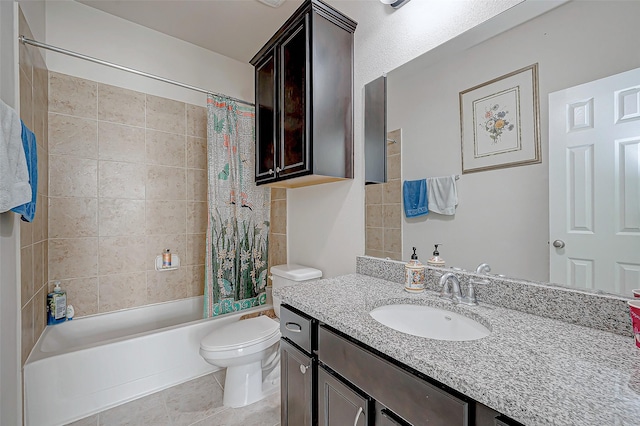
[33, 236]
[128, 178]
[383, 205]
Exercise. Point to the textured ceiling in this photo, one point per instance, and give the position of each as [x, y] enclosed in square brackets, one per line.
[234, 28]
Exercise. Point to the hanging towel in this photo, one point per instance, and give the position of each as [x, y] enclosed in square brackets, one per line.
[14, 175]
[414, 193]
[442, 194]
[28, 210]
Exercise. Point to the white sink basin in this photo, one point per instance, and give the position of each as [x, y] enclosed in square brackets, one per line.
[426, 321]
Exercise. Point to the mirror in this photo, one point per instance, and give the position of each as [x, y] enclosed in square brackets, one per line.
[502, 216]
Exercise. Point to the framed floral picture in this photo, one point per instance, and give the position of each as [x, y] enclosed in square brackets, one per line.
[500, 122]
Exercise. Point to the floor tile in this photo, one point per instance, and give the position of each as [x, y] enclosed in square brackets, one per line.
[193, 401]
[87, 421]
[149, 410]
[263, 413]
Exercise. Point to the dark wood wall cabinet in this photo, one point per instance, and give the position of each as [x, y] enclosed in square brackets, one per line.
[329, 379]
[304, 99]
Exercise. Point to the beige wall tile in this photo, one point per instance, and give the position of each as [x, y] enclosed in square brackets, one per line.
[392, 192]
[195, 280]
[118, 142]
[196, 249]
[82, 293]
[196, 153]
[393, 167]
[39, 313]
[26, 99]
[167, 149]
[46, 258]
[277, 249]
[393, 240]
[197, 214]
[73, 258]
[119, 105]
[40, 119]
[166, 115]
[197, 185]
[72, 176]
[73, 136]
[122, 291]
[374, 216]
[72, 95]
[394, 148]
[393, 255]
[196, 121]
[165, 217]
[27, 331]
[39, 220]
[39, 264]
[373, 238]
[121, 254]
[374, 253]
[373, 194]
[73, 217]
[166, 183]
[392, 215]
[121, 180]
[156, 244]
[26, 274]
[121, 217]
[43, 181]
[26, 233]
[163, 286]
[279, 217]
[278, 194]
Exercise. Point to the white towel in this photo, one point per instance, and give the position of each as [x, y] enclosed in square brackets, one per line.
[442, 195]
[14, 175]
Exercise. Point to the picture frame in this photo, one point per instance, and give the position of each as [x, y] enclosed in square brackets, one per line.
[500, 122]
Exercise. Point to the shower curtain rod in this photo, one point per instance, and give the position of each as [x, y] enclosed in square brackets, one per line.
[25, 40]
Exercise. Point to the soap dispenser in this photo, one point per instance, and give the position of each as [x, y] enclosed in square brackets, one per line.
[414, 277]
[436, 260]
[56, 305]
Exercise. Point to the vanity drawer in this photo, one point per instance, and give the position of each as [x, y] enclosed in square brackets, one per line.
[415, 400]
[297, 328]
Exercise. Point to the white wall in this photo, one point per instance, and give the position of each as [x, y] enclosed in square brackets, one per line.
[80, 28]
[326, 222]
[10, 326]
[502, 216]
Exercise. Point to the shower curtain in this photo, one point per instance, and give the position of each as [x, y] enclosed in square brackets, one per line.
[238, 228]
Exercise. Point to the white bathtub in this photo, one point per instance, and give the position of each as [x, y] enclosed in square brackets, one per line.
[87, 365]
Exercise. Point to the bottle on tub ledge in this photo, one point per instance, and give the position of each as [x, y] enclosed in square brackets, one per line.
[56, 305]
[436, 261]
[166, 258]
[414, 277]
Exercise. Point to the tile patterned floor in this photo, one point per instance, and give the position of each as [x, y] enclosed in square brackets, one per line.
[194, 403]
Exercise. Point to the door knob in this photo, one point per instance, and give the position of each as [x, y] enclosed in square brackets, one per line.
[558, 244]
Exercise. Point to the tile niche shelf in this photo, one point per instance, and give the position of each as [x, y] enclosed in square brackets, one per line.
[175, 263]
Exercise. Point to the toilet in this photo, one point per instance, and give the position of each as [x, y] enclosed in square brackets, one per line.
[248, 349]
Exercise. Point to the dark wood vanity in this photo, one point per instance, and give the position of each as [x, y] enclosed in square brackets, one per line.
[329, 378]
[304, 99]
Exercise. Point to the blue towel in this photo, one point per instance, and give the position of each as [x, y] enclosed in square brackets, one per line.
[414, 193]
[28, 210]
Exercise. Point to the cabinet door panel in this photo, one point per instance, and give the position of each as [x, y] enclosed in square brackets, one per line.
[294, 93]
[339, 405]
[266, 118]
[296, 380]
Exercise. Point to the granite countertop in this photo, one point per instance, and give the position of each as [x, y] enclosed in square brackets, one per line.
[536, 370]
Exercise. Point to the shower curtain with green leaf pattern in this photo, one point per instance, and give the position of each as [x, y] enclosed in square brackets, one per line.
[238, 228]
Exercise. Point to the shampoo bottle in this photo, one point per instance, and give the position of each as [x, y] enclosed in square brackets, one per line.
[436, 260]
[56, 305]
[414, 277]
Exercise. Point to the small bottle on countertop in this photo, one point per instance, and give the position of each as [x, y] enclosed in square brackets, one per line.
[414, 277]
[166, 258]
[436, 260]
[56, 305]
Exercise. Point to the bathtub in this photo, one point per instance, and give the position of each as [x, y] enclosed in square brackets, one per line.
[84, 366]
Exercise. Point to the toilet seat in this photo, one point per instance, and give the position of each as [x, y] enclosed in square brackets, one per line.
[241, 334]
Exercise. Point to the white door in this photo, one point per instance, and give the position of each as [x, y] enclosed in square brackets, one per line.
[594, 184]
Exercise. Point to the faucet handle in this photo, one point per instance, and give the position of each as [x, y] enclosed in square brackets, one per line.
[483, 269]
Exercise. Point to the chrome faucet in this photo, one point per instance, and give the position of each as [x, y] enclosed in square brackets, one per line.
[454, 292]
[483, 269]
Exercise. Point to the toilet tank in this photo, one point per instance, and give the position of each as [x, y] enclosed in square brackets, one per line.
[290, 274]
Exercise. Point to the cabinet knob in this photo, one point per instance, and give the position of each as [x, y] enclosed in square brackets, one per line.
[270, 171]
[278, 169]
[303, 368]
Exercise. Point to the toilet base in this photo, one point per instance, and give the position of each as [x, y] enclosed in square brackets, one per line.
[244, 385]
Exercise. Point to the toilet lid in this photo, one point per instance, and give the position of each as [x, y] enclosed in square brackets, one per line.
[240, 333]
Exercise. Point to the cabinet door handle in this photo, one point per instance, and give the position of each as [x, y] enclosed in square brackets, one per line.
[278, 169]
[355, 421]
[292, 326]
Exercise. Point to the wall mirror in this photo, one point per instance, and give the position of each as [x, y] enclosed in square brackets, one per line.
[502, 216]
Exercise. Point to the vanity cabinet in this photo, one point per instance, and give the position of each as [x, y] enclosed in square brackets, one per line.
[353, 384]
[304, 99]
